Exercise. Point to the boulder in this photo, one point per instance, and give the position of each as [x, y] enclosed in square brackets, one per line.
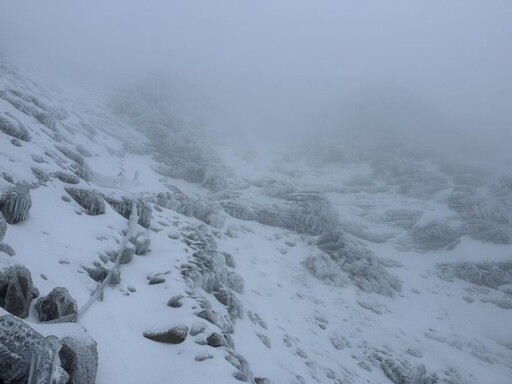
[174, 335]
[57, 304]
[16, 289]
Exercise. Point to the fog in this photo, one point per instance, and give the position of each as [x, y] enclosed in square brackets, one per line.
[437, 72]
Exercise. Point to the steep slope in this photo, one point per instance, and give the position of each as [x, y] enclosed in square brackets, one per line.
[356, 266]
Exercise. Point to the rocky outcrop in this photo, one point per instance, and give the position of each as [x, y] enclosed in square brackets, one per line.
[51, 360]
[12, 127]
[58, 304]
[16, 288]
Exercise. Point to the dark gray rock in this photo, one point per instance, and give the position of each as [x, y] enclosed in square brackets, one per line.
[156, 279]
[123, 206]
[262, 380]
[20, 345]
[71, 154]
[96, 271]
[16, 289]
[57, 304]
[215, 340]
[174, 335]
[176, 301]
[79, 359]
[88, 199]
[197, 328]
[15, 204]
[209, 315]
[234, 306]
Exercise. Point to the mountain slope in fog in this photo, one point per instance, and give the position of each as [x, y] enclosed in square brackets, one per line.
[338, 263]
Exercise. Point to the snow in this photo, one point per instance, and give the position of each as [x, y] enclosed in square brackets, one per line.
[297, 327]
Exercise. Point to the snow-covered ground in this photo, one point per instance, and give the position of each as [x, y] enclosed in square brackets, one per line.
[335, 272]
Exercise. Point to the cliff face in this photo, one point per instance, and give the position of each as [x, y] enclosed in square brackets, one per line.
[214, 264]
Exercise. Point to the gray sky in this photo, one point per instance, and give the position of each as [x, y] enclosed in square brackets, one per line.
[276, 67]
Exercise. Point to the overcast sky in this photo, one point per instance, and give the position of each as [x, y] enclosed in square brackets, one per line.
[287, 66]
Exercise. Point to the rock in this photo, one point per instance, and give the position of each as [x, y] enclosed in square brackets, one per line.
[197, 328]
[72, 155]
[156, 279]
[97, 272]
[175, 301]
[209, 315]
[123, 206]
[215, 340]
[262, 380]
[88, 199]
[79, 359]
[229, 259]
[15, 287]
[228, 298]
[174, 335]
[235, 282]
[57, 304]
[203, 356]
[15, 204]
[126, 255]
[265, 340]
[19, 343]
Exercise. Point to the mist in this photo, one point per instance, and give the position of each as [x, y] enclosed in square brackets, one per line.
[432, 72]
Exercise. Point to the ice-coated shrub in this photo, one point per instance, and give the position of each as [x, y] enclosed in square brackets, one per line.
[239, 209]
[492, 274]
[10, 126]
[430, 236]
[324, 268]
[88, 199]
[123, 206]
[310, 213]
[366, 271]
[15, 203]
[70, 154]
[401, 218]
[193, 206]
[3, 226]
[278, 189]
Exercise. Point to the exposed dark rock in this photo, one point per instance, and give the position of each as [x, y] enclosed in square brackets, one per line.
[57, 304]
[176, 301]
[209, 315]
[21, 346]
[97, 272]
[174, 335]
[262, 380]
[215, 340]
[234, 306]
[197, 328]
[88, 199]
[15, 204]
[15, 287]
[79, 359]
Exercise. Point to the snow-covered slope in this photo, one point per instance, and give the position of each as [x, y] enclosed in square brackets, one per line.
[348, 265]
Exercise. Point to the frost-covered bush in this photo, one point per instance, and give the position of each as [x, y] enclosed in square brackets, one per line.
[239, 209]
[366, 271]
[67, 178]
[311, 213]
[411, 178]
[12, 127]
[430, 236]
[123, 206]
[492, 274]
[72, 155]
[278, 189]
[41, 175]
[402, 372]
[88, 199]
[324, 268]
[401, 218]
[15, 203]
[192, 206]
[3, 226]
